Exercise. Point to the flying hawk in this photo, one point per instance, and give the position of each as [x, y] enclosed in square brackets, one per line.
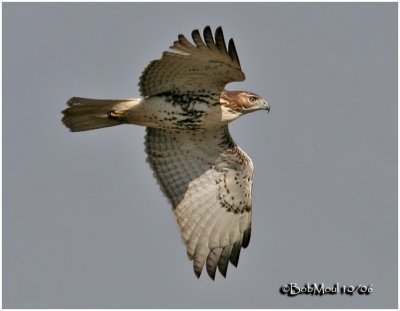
[186, 111]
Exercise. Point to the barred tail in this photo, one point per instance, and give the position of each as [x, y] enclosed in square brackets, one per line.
[86, 114]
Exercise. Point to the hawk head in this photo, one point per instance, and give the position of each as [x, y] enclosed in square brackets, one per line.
[236, 103]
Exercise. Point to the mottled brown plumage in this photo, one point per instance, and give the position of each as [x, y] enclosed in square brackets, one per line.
[204, 174]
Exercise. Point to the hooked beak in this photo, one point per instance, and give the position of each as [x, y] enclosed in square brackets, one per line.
[261, 105]
[265, 106]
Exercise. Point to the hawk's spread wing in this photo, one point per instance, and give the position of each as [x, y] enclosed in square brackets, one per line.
[208, 180]
[206, 66]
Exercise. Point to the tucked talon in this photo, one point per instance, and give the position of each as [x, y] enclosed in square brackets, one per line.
[116, 115]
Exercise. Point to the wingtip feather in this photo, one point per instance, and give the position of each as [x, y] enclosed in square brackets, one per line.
[232, 51]
[235, 254]
[197, 273]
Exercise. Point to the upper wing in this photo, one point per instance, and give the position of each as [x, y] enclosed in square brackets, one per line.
[207, 65]
[208, 181]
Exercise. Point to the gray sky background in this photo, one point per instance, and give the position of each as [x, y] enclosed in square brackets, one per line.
[84, 223]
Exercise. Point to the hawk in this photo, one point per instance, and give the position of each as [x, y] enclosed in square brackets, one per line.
[186, 111]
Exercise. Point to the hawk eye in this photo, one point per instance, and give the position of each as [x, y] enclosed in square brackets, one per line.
[252, 99]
